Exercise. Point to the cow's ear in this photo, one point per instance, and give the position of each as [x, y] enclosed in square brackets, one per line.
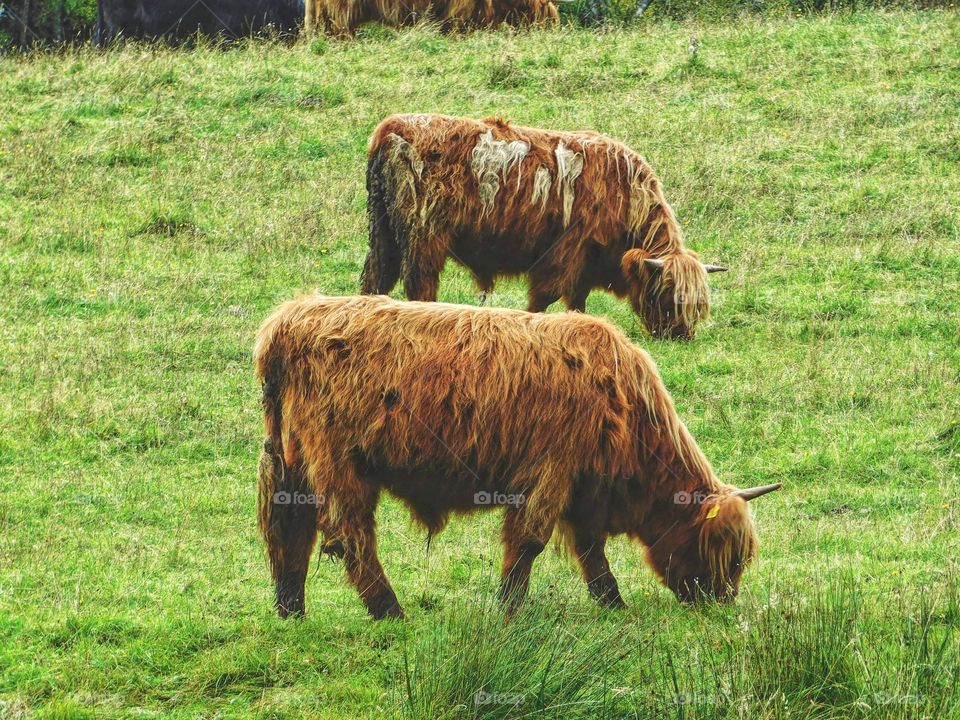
[634, 263]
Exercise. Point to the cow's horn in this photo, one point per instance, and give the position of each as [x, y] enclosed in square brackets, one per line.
[654, 263]
[714, 268]
[755, 492]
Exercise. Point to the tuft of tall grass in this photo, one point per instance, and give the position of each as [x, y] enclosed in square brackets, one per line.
[471, 662]
[828, 652]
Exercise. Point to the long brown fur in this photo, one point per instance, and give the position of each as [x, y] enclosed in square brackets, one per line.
[572, 211]
[435, 403]
[342, 17]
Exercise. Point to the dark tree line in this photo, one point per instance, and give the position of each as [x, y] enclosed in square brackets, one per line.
[30, 23]
[26, 23]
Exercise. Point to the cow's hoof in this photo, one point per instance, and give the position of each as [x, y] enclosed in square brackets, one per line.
[614, 603]
[291, 607]
[611, 599]
[385, 607]
[607, 595]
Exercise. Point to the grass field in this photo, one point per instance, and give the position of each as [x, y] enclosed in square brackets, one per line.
[156, 203]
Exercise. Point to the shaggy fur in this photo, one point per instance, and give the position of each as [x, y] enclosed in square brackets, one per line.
[434, 403]
[572, 211]
[342, 17]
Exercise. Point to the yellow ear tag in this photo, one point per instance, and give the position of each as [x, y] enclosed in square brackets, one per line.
[713, 512]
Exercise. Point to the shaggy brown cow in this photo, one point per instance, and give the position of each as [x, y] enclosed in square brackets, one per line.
[451, 409]
[572, 211]
[342, 17]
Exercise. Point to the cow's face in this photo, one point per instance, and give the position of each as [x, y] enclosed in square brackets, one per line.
[670, 292]
[705, 560]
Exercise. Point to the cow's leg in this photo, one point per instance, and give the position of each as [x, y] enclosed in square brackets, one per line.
[520, 548]
[586, 517]
[596, 570]
[356, 501]
[422, 265]
[484, 283]
[331, 544]
[539, 300]
[543, 292]
[577, 300]
[367, 576]
[344, 513]
[288, 523]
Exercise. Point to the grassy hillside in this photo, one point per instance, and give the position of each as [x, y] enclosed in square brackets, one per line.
[155, 204]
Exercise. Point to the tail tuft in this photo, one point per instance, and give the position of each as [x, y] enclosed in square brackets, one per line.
[381, 270]
[270, 368]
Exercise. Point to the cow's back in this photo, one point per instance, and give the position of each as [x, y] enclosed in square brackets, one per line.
[507, 191]
[445, 386]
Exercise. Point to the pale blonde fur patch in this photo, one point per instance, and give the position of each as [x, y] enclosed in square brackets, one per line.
[418, 119]
[541, 187]
[569, 167]
[405, 167]
[493, 160]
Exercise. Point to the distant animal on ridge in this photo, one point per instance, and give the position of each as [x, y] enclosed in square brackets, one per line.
[571, 211]
[343, 17]
[180, 19]
[557, 419]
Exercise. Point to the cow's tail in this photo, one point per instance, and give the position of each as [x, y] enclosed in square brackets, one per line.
[286, 509]
[381, 269]
[274, 473]
[269, 361]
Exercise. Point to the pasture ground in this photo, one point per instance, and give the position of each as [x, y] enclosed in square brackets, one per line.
[156, 203]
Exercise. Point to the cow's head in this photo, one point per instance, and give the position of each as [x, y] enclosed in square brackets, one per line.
[670, 292]
[705, 559]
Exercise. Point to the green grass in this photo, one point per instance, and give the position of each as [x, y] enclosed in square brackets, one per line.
[156, 203]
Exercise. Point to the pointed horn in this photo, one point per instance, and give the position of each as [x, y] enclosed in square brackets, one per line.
[714, 268]
[755, 492]
[653, 263]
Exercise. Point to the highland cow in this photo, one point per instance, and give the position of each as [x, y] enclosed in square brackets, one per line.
[557, 419]
[572, 211]
[342, 17]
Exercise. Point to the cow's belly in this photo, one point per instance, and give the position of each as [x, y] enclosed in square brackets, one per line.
[431, 495]
[498, 254]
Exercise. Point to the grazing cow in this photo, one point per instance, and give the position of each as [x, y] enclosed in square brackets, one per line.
[179, 19]
[572, 211]
[558, 418]
[342, 17]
